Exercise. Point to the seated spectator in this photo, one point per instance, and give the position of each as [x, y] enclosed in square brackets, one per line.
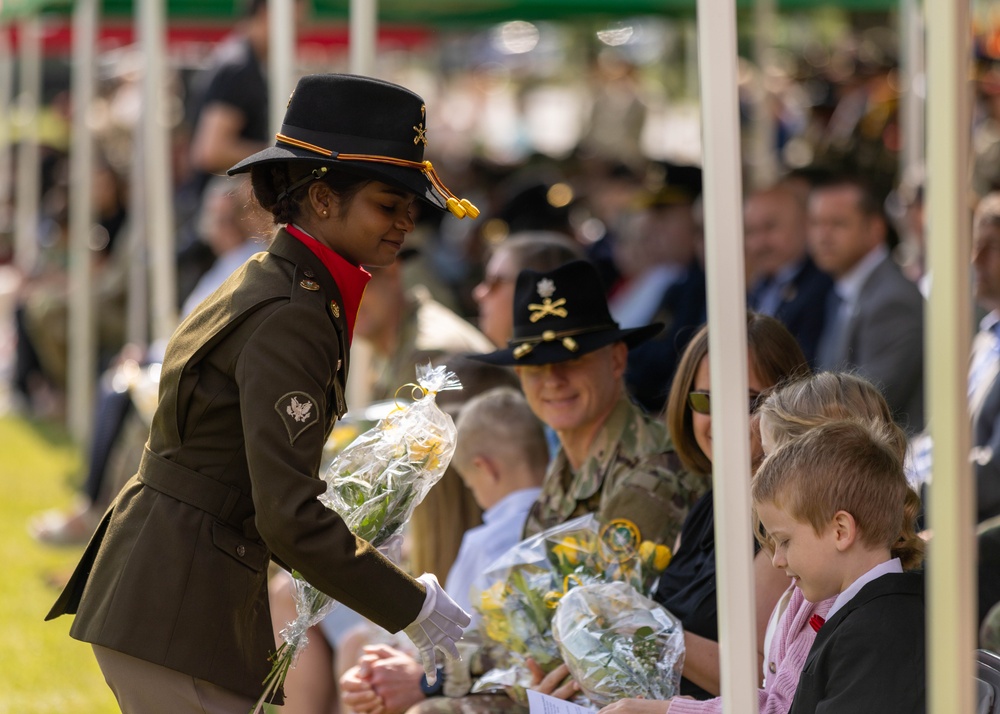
[404, 328]
[687, 588]
[501, 455]
[612, 459]
[874, 319]
[787, 414]
[786, 283]
[669, 226]
[834, 508]
[537, 250]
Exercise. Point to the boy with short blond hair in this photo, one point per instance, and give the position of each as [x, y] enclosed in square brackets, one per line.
[839, 520]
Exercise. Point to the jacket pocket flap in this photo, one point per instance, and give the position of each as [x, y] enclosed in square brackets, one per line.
[250, 554]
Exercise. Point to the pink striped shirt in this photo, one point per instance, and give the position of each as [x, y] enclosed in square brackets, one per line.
[792, 641]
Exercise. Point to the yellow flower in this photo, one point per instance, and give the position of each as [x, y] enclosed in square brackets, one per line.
[654, 556]
[492, 598]
[663, 557]
[424, 451]
[552, 598]
[569, 551]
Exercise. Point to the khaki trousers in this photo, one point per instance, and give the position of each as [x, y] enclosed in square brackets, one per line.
[145, 688]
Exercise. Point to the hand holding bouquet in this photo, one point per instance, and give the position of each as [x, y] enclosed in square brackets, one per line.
[527, 584]
[619, 644]
[374, 484]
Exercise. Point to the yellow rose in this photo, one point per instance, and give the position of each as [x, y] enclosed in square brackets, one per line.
[662, 557]
[568, 551]
[492, 598]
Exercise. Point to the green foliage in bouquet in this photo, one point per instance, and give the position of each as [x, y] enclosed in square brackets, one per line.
[374, 484]
[619, 644]
[527, 584]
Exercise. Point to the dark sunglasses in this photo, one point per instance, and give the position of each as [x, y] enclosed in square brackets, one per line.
[701, 402]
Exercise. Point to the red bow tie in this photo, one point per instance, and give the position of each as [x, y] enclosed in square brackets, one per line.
[816, 622]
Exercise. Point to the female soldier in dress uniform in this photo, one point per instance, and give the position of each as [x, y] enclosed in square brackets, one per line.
[171, 591]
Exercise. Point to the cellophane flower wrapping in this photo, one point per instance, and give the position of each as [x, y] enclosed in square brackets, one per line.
[523, 589]
[619, 644]
[374, 484]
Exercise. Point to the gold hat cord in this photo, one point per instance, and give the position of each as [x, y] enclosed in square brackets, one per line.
[460, 208]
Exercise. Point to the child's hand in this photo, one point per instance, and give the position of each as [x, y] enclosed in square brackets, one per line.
[556, 683]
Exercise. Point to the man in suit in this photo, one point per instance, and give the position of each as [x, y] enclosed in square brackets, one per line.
[984, 365]
[786, 283]
[874, 315]
[668, 223]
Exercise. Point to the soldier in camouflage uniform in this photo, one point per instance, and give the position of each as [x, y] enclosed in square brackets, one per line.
[613, 459]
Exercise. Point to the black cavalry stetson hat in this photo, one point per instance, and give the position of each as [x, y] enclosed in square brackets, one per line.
[364, 126]
[561, 315]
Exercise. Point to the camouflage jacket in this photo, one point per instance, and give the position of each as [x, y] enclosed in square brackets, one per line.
[632, 472]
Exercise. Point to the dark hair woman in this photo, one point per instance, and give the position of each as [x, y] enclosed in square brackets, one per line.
[172, 589]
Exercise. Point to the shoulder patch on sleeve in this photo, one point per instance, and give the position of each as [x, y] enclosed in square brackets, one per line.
[298, 412]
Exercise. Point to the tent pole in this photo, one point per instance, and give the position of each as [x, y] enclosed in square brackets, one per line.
[363, 36]
[82, 363]
[951, 590]
[913, 98]
[28, 151]
[158, 179]
[763, 164]
[6, 100]
[728, 353]
[280, 58]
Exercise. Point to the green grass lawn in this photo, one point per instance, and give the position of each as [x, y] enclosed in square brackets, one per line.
[42, 670]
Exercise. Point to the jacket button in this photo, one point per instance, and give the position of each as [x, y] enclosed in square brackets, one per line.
[241, 550]
[771, 667]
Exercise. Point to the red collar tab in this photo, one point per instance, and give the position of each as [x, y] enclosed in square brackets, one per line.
[351, 279]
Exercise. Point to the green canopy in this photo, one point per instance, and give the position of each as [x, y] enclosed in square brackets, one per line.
[442, 12]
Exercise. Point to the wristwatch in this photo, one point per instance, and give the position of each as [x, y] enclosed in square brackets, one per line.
[432, 690]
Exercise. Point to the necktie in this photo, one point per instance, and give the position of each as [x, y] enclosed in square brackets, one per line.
[816, 622]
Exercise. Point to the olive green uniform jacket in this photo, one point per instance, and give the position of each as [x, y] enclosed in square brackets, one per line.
[252, 384]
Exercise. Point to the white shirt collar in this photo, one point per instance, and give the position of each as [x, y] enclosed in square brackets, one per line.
[889, 566]
[516, 501]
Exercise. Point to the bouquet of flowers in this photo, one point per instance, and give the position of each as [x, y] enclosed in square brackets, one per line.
[619, 644]
[374, 484]
[527, 584]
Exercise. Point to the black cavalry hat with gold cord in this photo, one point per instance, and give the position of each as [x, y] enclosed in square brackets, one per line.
[561, 315]
[364, 126]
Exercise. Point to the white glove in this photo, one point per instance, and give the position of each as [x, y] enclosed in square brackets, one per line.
[437, 627]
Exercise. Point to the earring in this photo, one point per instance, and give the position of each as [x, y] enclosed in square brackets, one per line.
[325, 214]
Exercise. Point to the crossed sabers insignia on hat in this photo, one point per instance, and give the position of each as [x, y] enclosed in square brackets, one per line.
[548, 307]
[421, 134]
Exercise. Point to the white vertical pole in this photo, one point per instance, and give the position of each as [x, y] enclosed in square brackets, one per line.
[280, 58]
[137, 306]
[6, 100]
[158, 181]
[951, 620]
[763, 163]
[28, 152]
[913, 101]
[728, 353]
[82, 325]
[363, 36]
